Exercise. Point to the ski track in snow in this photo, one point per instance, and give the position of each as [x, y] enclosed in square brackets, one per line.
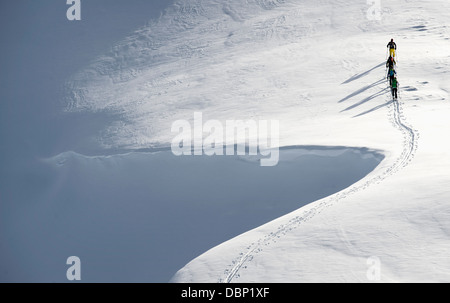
[410, 145]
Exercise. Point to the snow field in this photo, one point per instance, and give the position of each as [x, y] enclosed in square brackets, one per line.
[118, 198]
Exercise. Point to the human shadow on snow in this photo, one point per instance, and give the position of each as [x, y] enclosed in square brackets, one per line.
[362, 90]
[377, 94]
[355, 77]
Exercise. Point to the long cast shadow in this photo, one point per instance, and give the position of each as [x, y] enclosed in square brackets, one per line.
[373, 109]
[361, 90]
[355, 77]
[377, 94]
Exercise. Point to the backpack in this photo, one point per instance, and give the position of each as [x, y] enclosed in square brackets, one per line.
[394, 83]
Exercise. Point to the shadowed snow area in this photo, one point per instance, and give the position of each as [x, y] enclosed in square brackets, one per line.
[140, 217]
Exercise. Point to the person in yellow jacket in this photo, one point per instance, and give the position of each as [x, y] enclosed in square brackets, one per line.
[392, 48]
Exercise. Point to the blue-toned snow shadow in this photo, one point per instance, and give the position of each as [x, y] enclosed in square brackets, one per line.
[140, 217]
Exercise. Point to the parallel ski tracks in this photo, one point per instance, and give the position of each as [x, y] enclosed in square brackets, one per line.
[410, 145]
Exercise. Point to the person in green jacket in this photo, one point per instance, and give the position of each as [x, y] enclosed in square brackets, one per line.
[394, 87]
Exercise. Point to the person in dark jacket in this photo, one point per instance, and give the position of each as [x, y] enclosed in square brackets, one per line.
[392, 48]
[390, 63]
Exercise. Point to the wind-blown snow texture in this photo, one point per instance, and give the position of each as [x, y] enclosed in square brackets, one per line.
[86, 115]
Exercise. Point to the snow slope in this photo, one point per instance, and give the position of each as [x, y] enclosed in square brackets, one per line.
[392, 225]
[315, 66]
